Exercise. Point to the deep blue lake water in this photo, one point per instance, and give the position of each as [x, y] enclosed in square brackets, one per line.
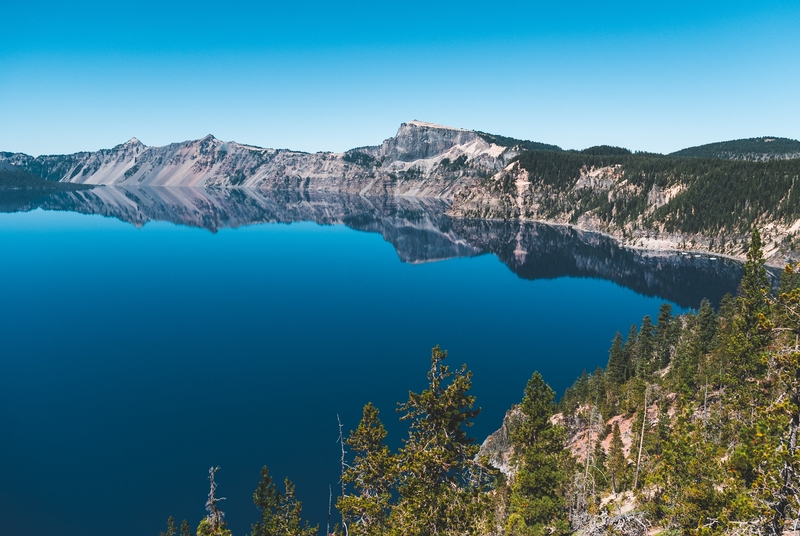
[133, 359]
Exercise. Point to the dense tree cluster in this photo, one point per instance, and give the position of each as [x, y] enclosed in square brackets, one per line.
[714, 197]
[744, 148]
[713, 408]
[526, 145]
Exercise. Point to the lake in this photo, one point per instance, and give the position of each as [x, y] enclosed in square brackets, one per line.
[146, 335]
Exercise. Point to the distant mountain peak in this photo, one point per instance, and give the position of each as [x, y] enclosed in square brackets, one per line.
[133, 141]
[423, 124]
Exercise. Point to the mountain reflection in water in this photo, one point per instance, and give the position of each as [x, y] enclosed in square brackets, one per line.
[419, 230]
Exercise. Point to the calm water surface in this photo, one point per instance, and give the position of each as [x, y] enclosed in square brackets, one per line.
[133, 359]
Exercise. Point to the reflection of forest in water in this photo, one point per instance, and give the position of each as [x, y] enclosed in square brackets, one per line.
[418, 229]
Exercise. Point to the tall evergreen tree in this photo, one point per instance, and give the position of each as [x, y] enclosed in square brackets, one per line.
[691, 486]
[707, 326]
[644, 359]
[537, 505]
[751, 330]
[290, 522]
[597, 387]
[777, 488]
[438, 488]
[687, 358]
[755, 285]
[788, 306]
[266, 498]
[280, 512]
[617, 464]
[630, 353]
[664, 335]
[171, 531]
[372, 474]
[615, 370]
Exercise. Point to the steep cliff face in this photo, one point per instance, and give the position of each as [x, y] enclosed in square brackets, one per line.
[422, 160]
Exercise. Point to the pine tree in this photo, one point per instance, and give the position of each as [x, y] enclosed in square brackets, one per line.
[205, 529]
[266, 498]
[289, 512]
[372, 474]
[171, 531]
[185, 531]
[537, 504]
[755, 286]
[439, 481]
[631, 349]
[692, 488]
[597, 473]
[707, 327]
[615, 370]
[644, 359]
[777, 486]
[616, 464]
[664, 335]
[787, 312]
[687, 358]
[790, 279]
[280, 512]
[750, 331]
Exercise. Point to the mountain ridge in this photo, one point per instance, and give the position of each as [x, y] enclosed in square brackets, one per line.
[684, 201]
[410, 163]
[752, 149]
[417, 150]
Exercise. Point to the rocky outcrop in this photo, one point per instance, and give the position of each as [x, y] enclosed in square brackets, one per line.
[496, 449]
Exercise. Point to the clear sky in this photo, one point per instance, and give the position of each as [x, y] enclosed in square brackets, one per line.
[308, 75]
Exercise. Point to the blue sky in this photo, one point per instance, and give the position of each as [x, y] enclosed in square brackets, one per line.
[314, 76]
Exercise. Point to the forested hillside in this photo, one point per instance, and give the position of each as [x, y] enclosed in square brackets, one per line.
[14, 178]
[690, 429]
[710, 407]
[18, 188]
[648, 200]
[764, 148]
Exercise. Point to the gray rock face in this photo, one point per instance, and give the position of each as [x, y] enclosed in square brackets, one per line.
[497, 449]
[418, 141]
[422, 160]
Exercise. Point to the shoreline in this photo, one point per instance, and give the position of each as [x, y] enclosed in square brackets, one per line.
[666, 251]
